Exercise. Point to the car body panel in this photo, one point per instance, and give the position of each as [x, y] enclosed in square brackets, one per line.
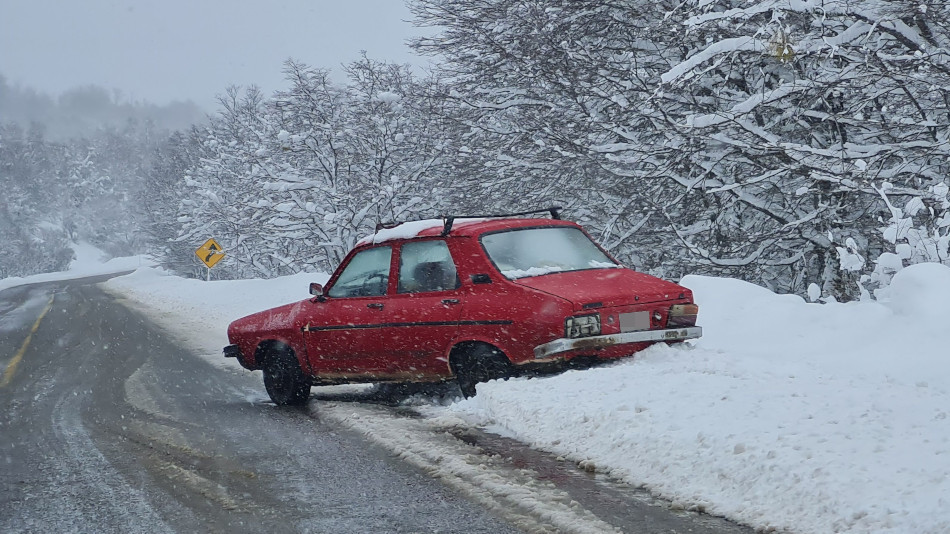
[276, 325]
[606, 286]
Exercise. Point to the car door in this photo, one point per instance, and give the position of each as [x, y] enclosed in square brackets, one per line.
[341, 331]
[424, 311]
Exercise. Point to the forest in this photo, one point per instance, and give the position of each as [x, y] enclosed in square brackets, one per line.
[803, 145]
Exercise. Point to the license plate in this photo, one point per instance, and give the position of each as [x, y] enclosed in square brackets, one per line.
[634, 322]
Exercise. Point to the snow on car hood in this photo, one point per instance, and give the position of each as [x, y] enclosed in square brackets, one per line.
[610, 287]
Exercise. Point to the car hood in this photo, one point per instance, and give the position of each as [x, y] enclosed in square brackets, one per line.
[608, 287]
[274, 319]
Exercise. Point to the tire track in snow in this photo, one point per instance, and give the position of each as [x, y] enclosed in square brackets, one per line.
[515, 494]
[89, 483]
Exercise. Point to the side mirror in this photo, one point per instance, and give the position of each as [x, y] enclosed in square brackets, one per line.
[316, 289]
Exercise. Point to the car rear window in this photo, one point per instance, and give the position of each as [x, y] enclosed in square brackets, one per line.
[536, 251]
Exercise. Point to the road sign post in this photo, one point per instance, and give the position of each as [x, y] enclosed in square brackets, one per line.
[210, 253]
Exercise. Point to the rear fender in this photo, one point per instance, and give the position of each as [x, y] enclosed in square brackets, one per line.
[463, 345]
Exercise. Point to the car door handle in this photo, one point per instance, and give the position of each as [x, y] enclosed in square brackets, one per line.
[450, 301]
[375, 306]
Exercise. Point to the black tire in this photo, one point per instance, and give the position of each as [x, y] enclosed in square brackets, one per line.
[479, 363]
[284, 381]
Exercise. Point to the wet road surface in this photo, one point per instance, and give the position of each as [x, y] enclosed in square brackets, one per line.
[107, 427]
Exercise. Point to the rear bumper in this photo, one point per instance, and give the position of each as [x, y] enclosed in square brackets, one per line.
[558, 346]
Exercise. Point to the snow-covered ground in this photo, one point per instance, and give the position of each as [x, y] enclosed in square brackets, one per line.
[807, 417]
[89, 261]
[811, 418]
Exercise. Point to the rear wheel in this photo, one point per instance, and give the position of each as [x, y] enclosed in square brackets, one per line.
[479, 363]
[284, 381]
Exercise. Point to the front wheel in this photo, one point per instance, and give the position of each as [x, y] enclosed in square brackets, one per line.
[479, 364]
[284, 381]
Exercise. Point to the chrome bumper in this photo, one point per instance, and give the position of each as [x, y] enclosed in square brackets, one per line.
[598, 342]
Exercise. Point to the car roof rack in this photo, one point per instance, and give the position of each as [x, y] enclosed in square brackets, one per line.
[449, 220]
[555, 212]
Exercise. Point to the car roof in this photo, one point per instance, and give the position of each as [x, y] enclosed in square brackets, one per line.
[460, 227]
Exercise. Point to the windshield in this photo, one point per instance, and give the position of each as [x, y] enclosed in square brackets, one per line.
[537, 251]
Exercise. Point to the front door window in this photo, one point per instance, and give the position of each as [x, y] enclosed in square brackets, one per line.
[366, 275]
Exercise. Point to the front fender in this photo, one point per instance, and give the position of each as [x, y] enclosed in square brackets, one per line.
[278, 344]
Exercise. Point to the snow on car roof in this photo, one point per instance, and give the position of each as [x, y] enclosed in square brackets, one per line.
[405, 230]
[432, 227]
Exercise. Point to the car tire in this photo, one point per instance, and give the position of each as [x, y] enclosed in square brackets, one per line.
[284, 381]
[479, 363]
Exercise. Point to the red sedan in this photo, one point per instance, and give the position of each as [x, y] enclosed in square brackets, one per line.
[470, 299]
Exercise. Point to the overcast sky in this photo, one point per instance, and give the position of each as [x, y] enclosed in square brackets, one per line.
[163, 50]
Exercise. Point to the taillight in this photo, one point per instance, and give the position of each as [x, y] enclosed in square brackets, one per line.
[683, 315]
[582, 326]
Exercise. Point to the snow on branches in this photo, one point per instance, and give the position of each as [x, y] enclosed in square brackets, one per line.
[289, 183]
[750, 139]
[736, 138]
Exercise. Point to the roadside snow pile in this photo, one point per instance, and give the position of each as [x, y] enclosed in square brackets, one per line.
[89, 261]
[786, 415]
[198, 312]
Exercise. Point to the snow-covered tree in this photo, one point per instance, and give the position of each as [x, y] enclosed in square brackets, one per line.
[918, 232]
[162, 193]
[352, 156]
[223, 192]
[83, 183]
[803, 110]
[561, 97]
[739, 138]
[291, 182]
[30, 242]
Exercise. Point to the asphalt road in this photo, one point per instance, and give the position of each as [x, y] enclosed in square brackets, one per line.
[107, 426]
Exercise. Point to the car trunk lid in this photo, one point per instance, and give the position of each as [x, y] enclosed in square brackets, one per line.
[596, 288]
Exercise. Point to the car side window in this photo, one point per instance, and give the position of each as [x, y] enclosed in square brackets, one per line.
[366, 275]
[426, 266]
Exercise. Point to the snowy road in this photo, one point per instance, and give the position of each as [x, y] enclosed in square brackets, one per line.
[110, 427]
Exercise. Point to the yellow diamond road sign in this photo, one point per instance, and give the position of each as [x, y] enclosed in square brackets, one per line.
[210, 253]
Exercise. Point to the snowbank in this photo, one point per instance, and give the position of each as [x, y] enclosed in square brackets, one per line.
[198, 312]
[807, 417]
[89, 261]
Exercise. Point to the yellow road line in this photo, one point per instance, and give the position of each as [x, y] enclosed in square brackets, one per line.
[11, 367]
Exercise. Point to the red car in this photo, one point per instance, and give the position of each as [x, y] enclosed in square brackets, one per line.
[470, 299]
